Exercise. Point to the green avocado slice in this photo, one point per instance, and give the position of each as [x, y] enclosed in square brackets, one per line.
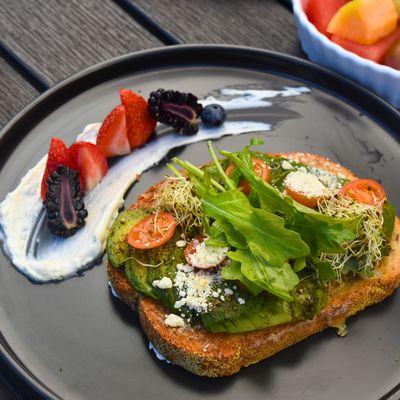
[117, 247]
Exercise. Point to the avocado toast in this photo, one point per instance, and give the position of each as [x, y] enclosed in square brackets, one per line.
[250, 264]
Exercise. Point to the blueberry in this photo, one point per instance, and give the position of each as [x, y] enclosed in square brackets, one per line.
[213, 115]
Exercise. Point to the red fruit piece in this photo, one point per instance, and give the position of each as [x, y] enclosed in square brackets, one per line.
[112, 139]
[91, 163]
[374, 52]
[138, 121]
[58, 155]
[392, 57]
[320, 12]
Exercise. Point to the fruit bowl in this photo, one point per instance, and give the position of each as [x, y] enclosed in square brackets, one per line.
[381, 79]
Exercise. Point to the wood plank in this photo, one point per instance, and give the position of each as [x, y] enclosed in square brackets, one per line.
[15, 92]
[259, 23]
[58, 38]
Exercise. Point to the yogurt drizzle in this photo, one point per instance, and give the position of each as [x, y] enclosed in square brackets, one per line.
[62, 258]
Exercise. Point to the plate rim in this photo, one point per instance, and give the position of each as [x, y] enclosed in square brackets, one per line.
[96, 74]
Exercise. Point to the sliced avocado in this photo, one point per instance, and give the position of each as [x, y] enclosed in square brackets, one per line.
[138, 277]
[255, 313]
[143, 267]
[118, 248]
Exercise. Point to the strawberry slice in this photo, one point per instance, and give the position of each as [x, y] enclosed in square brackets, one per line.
[138, 121]
[58, 155]
[112, 139]
[91, 163]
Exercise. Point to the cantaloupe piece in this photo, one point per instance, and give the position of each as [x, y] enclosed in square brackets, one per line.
[375, 52]
[320, 12]
[364, 21]
[397, 3]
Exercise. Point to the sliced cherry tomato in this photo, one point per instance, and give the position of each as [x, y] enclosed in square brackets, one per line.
[191, 247]
[152, 231]
[365, 191]
[301, 198]
[202, 262]
[260, 168]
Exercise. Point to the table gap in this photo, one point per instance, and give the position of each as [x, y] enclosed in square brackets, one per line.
[23, 69]
[147, 22]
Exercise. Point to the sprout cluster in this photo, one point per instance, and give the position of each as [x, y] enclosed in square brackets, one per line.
[365, 252]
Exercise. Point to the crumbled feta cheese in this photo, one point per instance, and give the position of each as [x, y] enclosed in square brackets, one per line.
[204, 255]
[174, 321]
[306, 183]
[331, 181]
[240, 300]
[286, 165]
[180, 303]
[180, 243]
[163, 283]
[215, 294]
[228, 291]
[195, 287]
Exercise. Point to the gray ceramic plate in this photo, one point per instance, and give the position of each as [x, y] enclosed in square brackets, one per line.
[72, 340]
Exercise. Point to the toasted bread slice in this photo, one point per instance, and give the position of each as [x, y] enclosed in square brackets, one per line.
[216, 354]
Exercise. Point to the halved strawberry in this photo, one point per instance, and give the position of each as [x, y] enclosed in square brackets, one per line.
[112, 138]
[138, 121]
[91, 163]
[58, 155]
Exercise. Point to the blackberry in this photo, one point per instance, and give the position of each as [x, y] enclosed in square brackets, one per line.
[65, 208]
[176, 109]
[213, 115]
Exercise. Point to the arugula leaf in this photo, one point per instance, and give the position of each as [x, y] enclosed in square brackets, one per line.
[389, 215]
[264, 232]
[322, 233]
[232, 272]
[276, 280]
[324, 269]
[299, 264]
[222, 228]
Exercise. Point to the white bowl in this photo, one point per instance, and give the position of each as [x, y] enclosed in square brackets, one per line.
[383, 80]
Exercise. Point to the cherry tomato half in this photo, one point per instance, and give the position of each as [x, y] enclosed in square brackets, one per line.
[202, 262]
[152, 231]
[365, 191]
[301, 198]
[260, 168]
[191, 247]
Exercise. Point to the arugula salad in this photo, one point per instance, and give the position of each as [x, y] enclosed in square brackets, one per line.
[250, 240]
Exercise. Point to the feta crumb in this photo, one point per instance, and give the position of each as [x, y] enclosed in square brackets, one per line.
[286, 165]
[180, 243]
[240, 300]
[174, 321]
[163, 283]
[195, 287]
[306, 183]
[180, 303]
[228, 291]
[207, 256]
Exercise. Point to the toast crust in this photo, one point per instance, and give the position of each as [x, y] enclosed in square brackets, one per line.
[218, 354]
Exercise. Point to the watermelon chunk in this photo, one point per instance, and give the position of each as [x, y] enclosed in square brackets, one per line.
[320, 12]
[365, 21]
[375, 52]
[392, 57]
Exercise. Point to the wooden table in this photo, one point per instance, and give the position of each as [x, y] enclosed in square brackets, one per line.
[45, 41]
